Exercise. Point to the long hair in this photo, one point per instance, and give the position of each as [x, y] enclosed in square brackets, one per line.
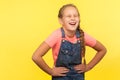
[60, 15]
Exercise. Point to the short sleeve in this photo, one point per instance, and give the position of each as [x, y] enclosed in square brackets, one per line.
[89, 41]
[53, 38]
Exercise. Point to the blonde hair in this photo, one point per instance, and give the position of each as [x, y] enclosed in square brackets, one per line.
[60, 14]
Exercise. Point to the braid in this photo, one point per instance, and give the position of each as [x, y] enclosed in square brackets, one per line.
[82, 41]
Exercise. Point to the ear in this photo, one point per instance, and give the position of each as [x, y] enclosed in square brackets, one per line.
[60, 21]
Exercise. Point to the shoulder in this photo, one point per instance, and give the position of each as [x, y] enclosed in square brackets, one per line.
[56, 33]
[53, 37]
[89, 40]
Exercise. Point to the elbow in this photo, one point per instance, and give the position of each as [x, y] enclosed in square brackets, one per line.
[104, 51]
[34, 58]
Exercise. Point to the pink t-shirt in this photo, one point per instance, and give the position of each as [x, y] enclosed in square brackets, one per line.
[54, 41]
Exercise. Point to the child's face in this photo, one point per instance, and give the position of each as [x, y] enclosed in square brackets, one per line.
[70, 19]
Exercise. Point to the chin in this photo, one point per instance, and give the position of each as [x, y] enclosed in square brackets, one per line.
[72, 29]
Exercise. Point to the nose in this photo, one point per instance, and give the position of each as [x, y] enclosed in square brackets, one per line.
[72, 18]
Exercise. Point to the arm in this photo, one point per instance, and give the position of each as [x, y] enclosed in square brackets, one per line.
[101, 51]
[37, 58]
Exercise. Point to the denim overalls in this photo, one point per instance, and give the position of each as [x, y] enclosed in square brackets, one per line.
[69, 55]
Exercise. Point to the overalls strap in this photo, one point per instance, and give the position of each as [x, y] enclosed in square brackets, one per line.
[63, 33]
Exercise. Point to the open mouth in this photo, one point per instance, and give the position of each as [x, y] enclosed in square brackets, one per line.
[72, 23]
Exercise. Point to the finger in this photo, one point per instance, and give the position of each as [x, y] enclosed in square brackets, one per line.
[77, 68]
[80, 71]
[62, 74]
[65, 69]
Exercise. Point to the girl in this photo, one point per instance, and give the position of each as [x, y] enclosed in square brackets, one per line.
[68, 48]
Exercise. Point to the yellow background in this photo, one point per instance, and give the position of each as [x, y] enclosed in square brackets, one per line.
[24, 24]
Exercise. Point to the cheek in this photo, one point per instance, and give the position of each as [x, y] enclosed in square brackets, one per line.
[65, 21]
[77, 19]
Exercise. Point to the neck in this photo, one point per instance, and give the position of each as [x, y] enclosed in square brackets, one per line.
[69, 33]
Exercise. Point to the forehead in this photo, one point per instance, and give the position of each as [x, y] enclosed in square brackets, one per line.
[70, 9]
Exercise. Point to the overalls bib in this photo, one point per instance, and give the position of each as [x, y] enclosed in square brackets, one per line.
[69, 56]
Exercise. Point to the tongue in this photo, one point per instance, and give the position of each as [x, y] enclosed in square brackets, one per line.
[72, 23]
